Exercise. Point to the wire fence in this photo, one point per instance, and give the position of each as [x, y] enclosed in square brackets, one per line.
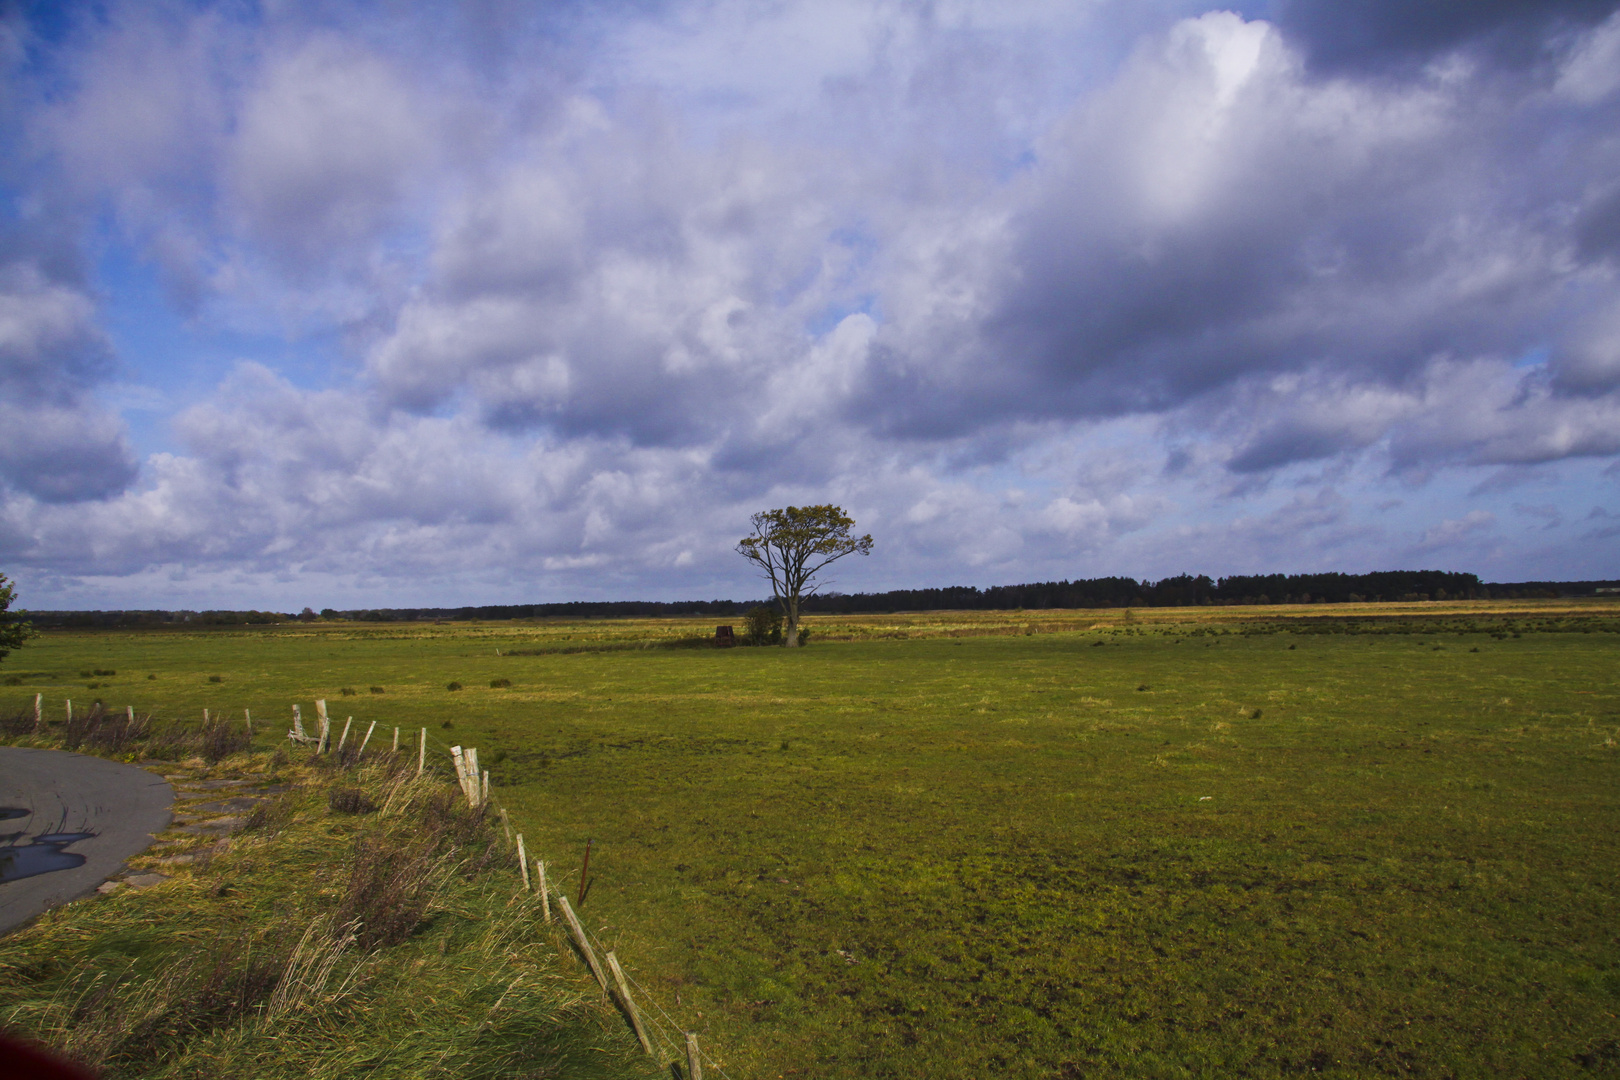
[669, 1036]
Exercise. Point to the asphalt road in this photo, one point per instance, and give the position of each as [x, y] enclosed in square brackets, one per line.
[67, 823]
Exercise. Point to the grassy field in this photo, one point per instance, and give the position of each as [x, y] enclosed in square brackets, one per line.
[1162, 843]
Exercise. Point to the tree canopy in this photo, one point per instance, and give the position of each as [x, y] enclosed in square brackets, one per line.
[12, 632]
[792, 545]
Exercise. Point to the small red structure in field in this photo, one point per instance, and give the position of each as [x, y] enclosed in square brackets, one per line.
[724, 636]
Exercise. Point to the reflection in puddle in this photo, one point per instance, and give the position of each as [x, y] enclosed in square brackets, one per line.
[43, 856]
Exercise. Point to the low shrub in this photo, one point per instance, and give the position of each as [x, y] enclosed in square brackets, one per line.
[98, 730]
[763, 626]
[452, 686]
[349, 801]
[497, 684]
[388, 891]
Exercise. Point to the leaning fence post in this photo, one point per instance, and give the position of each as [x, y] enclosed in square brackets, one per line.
[694, 1064]
[345, 736]
[581, 940]
[421, 753]
[523, 863]
[506, 825]
[367, 739]
[326, 736]
[396, 739]
[545, 894]
[459, 756]
[629, 1004]
[129, 713]
[39, 711]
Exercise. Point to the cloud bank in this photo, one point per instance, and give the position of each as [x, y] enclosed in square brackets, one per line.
[309, 306]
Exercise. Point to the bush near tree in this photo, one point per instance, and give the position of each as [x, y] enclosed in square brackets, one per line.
[764, 626]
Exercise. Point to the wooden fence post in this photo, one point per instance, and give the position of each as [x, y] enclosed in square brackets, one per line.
[506, 825]
[70, 710]
[326, 736]
[345, 736]
[421, 753]
[630, 1004]
[367, 739]
[467, 772]
[298, 725]
[129, 713]
[694, 1064]
[396, 739]
[247, 714]
[545, 893]
[581, 940]
[205, 717]
[483, 791]
[523, 863]
[39, 711]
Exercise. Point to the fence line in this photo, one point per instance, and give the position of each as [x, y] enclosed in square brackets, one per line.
[668, 1040]
[660, 1034]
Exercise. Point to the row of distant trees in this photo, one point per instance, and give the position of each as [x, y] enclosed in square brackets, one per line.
[1182, 590]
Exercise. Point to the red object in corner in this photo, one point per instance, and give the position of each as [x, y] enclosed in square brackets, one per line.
[24, 1061]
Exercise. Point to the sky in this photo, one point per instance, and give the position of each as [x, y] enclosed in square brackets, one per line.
[347, 304]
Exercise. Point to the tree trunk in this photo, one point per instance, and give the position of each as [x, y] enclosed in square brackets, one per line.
[792, 640]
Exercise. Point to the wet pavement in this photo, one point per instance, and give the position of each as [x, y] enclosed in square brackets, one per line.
[67, 823]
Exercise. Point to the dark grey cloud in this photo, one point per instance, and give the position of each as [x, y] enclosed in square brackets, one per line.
[1380, 35]
[1216, 222]
[56, 444]
[1597, 230]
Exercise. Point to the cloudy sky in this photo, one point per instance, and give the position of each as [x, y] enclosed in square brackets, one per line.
[364, 304]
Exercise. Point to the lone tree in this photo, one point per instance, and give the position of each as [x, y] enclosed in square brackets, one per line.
[12, 632]
[792, 545]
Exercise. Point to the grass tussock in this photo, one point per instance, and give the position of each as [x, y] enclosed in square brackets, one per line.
[322, 943]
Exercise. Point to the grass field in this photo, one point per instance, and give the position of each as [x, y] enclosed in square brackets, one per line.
[1168, 843]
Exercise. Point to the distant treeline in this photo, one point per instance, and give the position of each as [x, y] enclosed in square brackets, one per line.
[1112, 592]
[1186, 589]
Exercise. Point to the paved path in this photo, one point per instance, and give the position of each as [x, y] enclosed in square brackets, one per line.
[67, 823]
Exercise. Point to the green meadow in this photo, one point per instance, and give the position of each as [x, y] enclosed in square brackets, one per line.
[1372, 840]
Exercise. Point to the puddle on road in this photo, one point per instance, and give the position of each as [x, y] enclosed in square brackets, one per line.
[45, 855]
